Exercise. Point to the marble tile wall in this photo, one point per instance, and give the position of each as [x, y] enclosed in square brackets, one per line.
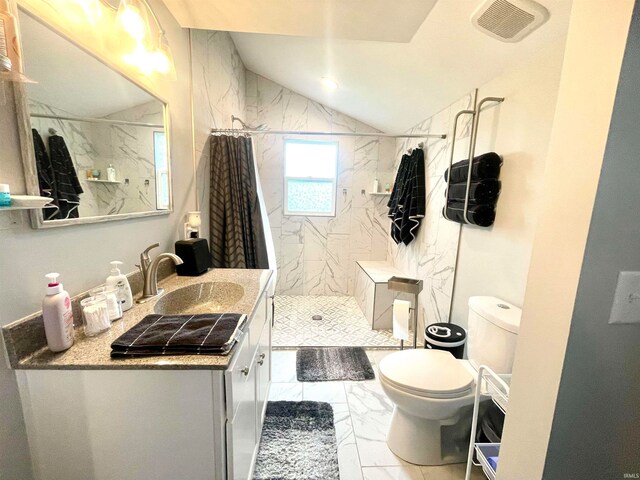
[317, 255]
[96, 145]
[218, 82]
[432, 255]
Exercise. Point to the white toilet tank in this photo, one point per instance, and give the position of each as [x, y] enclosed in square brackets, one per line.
[492, 333]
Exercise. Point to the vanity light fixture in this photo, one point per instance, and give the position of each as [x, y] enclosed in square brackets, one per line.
[142, 38]
[329, 83]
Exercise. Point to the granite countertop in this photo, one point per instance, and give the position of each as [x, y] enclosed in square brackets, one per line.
[93, 353]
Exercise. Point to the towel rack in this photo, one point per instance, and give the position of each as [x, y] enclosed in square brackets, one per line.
[475, 120]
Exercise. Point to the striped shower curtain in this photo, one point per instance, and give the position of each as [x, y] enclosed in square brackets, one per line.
[236, 227]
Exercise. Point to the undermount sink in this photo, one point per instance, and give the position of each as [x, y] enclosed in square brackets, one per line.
[208, 297]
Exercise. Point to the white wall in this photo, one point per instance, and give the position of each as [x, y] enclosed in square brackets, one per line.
[599, 393]
[595, 45]
[494, 261]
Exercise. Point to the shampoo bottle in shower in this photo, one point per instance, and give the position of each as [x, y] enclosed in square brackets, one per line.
[57, 314]
[111, 173]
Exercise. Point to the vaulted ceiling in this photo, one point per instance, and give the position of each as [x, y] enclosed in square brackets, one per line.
[388, 84]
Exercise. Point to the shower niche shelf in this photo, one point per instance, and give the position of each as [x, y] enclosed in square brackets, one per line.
[108, 182]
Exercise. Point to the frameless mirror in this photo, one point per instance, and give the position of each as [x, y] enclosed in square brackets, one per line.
[93, 140]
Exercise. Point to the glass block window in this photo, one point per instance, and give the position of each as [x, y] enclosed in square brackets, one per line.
[310, 178]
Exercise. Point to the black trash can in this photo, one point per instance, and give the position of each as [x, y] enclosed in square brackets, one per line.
[446, 336]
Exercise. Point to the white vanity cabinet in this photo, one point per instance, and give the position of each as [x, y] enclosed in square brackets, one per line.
[160, 424]
[247, 386]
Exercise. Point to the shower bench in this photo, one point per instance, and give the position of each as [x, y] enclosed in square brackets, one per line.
[372, 293]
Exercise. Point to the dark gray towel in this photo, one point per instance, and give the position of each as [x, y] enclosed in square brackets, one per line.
[46, 177]
[407, 202]
[481, 215]
[484, 166]
[68, 187]
[212, 334]
[480, 193]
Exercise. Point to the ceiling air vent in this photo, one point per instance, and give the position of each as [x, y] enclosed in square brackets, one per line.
[509, 20]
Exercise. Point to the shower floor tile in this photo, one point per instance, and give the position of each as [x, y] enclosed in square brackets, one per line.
[342, 324]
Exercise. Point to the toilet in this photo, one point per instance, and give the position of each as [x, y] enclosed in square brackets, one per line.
[433, 392]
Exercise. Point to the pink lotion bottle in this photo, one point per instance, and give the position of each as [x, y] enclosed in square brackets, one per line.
[58, 316]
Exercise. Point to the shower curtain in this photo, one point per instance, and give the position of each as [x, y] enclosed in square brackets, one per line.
[237, 227]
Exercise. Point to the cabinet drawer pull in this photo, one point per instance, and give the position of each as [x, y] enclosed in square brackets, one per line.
[245, 371]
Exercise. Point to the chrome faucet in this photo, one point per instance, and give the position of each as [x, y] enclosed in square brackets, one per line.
[149, 270]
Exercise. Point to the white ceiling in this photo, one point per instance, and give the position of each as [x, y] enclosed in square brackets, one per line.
[71, 79]
[393, 86]
[382, 20]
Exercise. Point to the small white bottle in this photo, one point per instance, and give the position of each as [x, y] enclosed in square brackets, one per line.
[376, 186]
[119, 280]
[57, 314]
[111, 173]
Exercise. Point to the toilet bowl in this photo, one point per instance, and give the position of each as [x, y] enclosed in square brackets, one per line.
[433, 392]
[427, 397]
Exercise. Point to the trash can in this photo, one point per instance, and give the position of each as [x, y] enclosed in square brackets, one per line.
[446, 336]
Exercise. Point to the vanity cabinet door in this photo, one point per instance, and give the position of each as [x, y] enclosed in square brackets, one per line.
[263, 374]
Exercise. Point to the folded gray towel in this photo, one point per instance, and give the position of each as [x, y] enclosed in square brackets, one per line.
[204, 334]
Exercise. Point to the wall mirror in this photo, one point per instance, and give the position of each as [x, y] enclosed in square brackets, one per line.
[92, 139]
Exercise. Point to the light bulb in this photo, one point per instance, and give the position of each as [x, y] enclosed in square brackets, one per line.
[160, 62]
[140, 58]
[132, 23]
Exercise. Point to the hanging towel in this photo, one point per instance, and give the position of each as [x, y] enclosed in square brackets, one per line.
[484, 166]
[480, 193]
[67, 183]
[46, 177]
[236, 227]
[407, 201]
[481, 215]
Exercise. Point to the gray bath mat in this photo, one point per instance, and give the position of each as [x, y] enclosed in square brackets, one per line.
[298, 443]
[328, 364]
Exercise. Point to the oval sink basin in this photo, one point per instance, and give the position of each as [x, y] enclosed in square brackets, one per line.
[208, 297]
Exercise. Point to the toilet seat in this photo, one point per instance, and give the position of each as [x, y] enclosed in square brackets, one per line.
[426, 373]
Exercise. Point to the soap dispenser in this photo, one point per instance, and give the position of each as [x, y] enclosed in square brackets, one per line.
[119, 280]
[57, 314]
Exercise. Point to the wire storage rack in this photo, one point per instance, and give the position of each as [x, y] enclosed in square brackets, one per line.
[495, 386]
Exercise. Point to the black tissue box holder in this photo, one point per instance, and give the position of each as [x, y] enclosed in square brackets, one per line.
[194, 252]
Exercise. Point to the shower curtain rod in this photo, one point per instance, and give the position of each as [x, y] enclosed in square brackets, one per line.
[331, 134]
[95, 120]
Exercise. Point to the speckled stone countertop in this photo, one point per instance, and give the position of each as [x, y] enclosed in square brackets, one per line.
[93, 353]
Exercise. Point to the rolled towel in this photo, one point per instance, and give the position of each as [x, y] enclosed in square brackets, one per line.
[480, 193]
[481, 215]
[493, 461]
[484, 166]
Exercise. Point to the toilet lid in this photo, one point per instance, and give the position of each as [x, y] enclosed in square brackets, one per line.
[429, 373]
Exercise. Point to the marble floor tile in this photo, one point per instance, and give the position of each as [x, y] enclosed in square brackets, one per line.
[451, 472]
[285, 391]
[371, 414]
[332, 392]
[405, 472]
[283, 366]
[348, 459]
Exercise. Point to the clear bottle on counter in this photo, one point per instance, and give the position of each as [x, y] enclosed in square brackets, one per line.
[95, 315]
[110, 293]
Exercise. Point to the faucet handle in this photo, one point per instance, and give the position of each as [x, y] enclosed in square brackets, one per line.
[149, 248]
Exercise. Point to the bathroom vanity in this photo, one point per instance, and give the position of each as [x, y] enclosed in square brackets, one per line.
[198, 417]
